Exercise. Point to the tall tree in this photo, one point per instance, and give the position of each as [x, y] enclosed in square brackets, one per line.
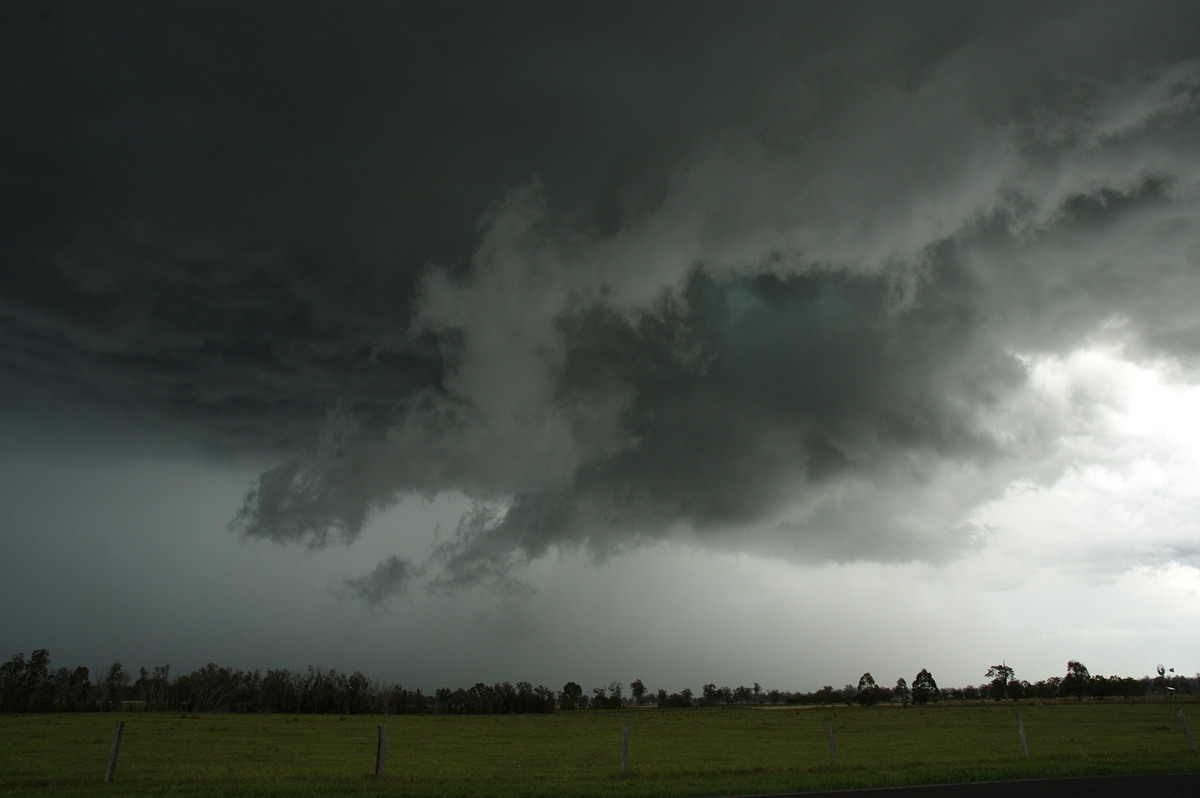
[571, 694]
[901, 690]
[614, 693]
[868, 691]
[1077, 681]
[38, 688]
[638, 690]
[112, 686]
[924, 688]
[13, 696]
[155, 687]
[1000, 675]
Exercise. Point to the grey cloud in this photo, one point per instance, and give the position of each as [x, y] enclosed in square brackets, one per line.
[761, 278]
[815, 422]
[386, 581]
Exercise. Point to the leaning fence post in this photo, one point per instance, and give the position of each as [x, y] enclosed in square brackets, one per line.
[381, 751]
[832, 744]
[112, 753]
[1021, 736]
[1187, 734]
[624, 748]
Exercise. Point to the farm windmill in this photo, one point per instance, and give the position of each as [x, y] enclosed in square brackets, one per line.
[1162, 675]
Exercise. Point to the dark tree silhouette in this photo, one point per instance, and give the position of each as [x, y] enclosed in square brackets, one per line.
[924, 688]
[638, 690]
[1000, 675]
[868, 691]
[571, 694]
[1077, 681]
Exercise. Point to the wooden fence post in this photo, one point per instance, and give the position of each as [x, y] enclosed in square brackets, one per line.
[1187, 734]
[832, 744]
[1021, 736]
[111, 770]
[624, 749]
[381, 751]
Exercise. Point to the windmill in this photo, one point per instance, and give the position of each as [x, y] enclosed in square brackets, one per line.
[1162, 675]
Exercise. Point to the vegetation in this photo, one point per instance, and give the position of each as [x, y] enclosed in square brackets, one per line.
[32, 685]
[1000, 675]
[868, 692]
[751, 749]
[924, 688]
[223, 731]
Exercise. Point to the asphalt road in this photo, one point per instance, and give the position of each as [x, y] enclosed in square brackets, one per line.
[1174, 785]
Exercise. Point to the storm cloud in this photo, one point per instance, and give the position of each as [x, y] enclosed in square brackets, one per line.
[769, 277]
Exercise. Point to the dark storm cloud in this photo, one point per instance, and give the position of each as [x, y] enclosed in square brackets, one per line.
[216, 212]
[761, 276]
[386, 581]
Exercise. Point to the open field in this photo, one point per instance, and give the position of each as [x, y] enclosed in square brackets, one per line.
[672, 752]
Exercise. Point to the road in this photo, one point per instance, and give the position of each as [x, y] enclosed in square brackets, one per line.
[1174, 785]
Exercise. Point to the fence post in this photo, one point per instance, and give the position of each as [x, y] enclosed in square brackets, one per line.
[1187, 733]
[832, 744]
[111, 770]
[381, 751]
[624, 749]
[1021, 736]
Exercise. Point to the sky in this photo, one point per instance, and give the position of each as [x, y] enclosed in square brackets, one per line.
[594, 341]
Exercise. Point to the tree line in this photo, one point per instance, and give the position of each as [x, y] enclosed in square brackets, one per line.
[30, 684]
[1003, 685]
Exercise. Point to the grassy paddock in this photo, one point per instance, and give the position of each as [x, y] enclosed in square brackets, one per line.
[672, 752]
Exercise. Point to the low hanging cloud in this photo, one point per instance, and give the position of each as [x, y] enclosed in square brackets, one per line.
[819, 352]
[771, 279]
[387, 580]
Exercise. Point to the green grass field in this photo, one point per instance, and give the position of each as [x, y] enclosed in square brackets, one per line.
[671, 753]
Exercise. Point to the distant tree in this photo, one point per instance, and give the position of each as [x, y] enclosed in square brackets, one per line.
[280, 692]
[868, 692]
[901, 691]
[924, 688]
[12, 684]
[112, 686]
[76, 690]
[571, 694]
[1000, 675]
[682, 699]
[38, 688]
[155, 687]
[712, 694]
[1077, 681]
[638, 690]
[1046, 688]
[600, 701]
[358, 694]
[614, 693]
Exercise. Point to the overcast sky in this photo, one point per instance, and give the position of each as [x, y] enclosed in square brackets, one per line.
[696, 342]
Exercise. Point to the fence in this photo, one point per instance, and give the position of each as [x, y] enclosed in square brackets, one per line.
[831, 730]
